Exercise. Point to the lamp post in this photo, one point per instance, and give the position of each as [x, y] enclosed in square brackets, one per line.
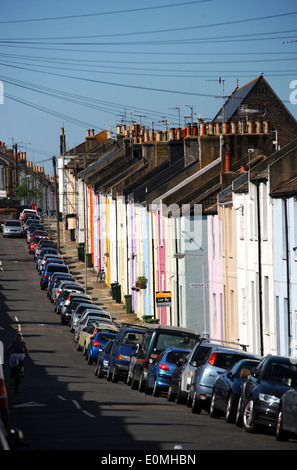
[182, 256]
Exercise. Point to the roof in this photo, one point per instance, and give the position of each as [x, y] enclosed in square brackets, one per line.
[235, 100]
[287, 189]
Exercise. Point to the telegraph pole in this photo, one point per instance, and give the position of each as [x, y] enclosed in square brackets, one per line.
[57, 202]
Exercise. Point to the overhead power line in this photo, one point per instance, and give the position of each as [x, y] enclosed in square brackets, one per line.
[104, 13]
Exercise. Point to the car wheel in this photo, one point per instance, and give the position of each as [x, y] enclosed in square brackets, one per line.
[248, 418]
[89, 358]
[180, 398]
[213, 412]
[280, 434]
[134, 383]
[230, 413]
[147, 389]
[170, 395]
[238, 416]
[128, 381]
[156, 390]
[99, 373]
[189, 400]
[115, 375]
[196, 405]
[109, 374]
[141, 384]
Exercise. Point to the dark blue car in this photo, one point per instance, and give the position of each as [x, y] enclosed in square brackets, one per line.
[50, 270]
[160, 371]
[97, 344]
[125, 344]
[226, 389]
[103, 358]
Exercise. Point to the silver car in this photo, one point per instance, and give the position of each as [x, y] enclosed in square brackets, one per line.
[12, 228]
[78, 312]
[196, 356]
[218, 360]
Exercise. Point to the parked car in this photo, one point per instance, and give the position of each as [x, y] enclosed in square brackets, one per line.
[261, 393]
[286, 426]
[82, 325]
[174, 384]
[57, 259]
[157, 339]
[32, 224]
[45, 251]
[97, 343]
[102, 359]
[55, 279]
[69, 310]
[88, 333]
[27, 212]
[218, 360]
[45, 259]
[160, 371]
[226, 390]
[42, 244]
[78, 312]
[40, 234]
[72, 294]
[63, 283]
[65, 294]
[126, 342]
[50, 270]
[34, 242]
[12, 228]
[181, 379]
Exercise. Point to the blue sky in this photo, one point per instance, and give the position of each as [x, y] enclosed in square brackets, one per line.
[95, 64]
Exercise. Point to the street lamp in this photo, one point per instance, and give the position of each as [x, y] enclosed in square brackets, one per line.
[182, 256]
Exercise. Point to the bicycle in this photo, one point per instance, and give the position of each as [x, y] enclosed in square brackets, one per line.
[16, 375]
[101, 276]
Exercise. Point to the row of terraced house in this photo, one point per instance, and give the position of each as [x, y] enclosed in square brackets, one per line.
[196, 226]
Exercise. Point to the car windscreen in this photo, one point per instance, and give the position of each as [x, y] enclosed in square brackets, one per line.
[55, 269]
[174, 340]
[132, 338]
[13, 224]
[200, 353]
[278, 371]
[174, 356]
[226, 361]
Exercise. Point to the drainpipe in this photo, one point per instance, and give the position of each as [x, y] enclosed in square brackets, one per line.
[117, 247]
[153, 262]
[260, 269]
[177, 276]
[288, 275]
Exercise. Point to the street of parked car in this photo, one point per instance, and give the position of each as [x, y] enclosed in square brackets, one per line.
[185, 375]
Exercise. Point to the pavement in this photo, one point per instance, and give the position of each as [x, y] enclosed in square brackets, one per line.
[100, 293]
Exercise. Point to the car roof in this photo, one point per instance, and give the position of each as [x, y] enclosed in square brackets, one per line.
[171, 328]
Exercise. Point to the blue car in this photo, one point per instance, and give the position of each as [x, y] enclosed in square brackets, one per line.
[97, 344]
[103, 358]
[126, 342]
[160, 371]
[50, 270]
